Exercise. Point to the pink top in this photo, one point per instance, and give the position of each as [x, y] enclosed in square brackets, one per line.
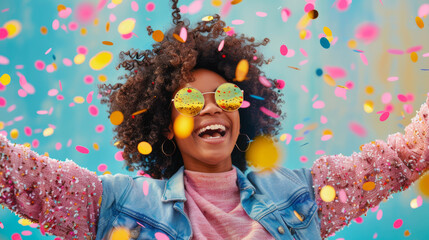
[65, 198]
[214, 208]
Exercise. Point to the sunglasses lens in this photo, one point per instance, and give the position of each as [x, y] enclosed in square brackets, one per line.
[189, 101]
[229, 97]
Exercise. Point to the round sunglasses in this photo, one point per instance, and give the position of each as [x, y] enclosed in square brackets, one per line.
[189, 101]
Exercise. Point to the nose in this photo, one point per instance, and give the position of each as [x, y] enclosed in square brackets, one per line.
[210, 106]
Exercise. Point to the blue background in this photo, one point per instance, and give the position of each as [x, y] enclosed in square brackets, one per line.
[395, 19]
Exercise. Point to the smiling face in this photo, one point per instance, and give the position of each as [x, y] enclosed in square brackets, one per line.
[209, 147]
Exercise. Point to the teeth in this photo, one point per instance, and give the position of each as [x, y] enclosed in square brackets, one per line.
[212, 127]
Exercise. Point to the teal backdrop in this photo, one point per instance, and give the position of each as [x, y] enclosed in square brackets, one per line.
[369, 59]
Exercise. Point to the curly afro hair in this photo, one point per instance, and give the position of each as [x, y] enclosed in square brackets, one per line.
[152, 76]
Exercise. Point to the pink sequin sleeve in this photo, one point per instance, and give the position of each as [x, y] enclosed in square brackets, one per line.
[61, 196]
[364, 179]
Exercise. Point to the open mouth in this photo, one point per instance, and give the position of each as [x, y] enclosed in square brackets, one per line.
[212, 131]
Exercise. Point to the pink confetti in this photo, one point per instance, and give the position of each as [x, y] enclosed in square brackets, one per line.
[161, 236]
[363, 57]
[16, 236]
[102, 167]
[2, 102]
[195, 6]
[101, 4]
[65, 13]
[283, 50]
[118, 156]
[39, 64]
[11, 108]
[298, 126]
[397, 223]
[4, 60]
[52, 92]
[319, 152]
[342, 5]
[424, 55]
[304, 88]
[99, 128]
[67, 62]
[357, 129]
[285, 14]
[384, 116]
[145, 188]
[395, 51]
[85, 12]
[183, 34]
[245, 104]
[82, 50]
[423, 10]
[410, 97]
[341, 92]
[299, 138]
[367, 32]
[27, 131]
[303, 159]
[261, 14]
[48, 51]
[225, 9]
[326, 137]
[58, 146]
[237, 22]
[60, 97]
[69, 142]
[89, 97]
[392, 79]
[88, 79]
[386, 98]
[373, 209]
[359, 220]
[336, 72]
[26, 233]
[388, 108]
[22, 93]
[263, 80]
[50, 68]
[73, 26]
[288, 138]
[221, 44]
[55, 24]
[303, 52]
[402, 98]
[323, 119]
[93, 110]
[308, 7]
[280, 84]
[303, 62]
[268, 112]
[290, 53]
[19, 118]
[408, 108]
[35, 143]
[134, 6]
[82, 149]
[414, 49]
[112, 17]
[318, 104]
[379, 214]
[419, 201]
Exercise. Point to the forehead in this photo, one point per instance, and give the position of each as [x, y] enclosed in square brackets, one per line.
[205, 80]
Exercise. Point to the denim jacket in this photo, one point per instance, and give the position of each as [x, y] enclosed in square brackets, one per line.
[282, 201]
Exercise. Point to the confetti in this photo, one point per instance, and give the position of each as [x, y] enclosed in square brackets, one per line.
[327, 193]
[368, 186]
[263, 153]
[357, 129]
[397, 223]
[420, 22]
[268, 112]
[158, 35]
[101, 60]
[5, 79]
[120, 233]
[126, 26]
[367, 32]
[82, 149]
[324, 42]
[13, 28]
[423, 185]
[414, 57]
[241, 70]
[116, 117]
[283, 50]
[183, 126]
[144, 148]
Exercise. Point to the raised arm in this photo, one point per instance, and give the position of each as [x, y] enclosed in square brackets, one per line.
[364, 179]
[61, 196]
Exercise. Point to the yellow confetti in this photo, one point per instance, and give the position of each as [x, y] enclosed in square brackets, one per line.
[1, 125]
[79, 99]
[61, 7]
[263, 153]
[107, 172]
[126, 26]
[327, 132]
[303, 22]
[120, 233]
[297, 215]
[369, 89]
[233, 2]
[407, 233]
[352, 44]
[302, 34]
[216, 3]
[241, 70]
[48, 132]
[83, 31]
[207, 18]
[116, 2]
[158, 35]
[13, 28]
[327, 31]
[108, 43]
[96, 22]
[24, 222]
[420, 22]
[43, 30]
[107, 26]
[116, 117]
[27, 145]
[144, 148]
[183, 126]
[102, 78]
[95, 146]
[283, 137]
[414, 57]
[368, 106]
[413, 203]
[79, 59]
[327, 193]
[138, 112]
[178, 38]
[329, 80]
[5, 79]
[101, 60]
[14, 133]
[368, 186]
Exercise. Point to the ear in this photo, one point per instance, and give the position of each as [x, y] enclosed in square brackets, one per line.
[169, 132]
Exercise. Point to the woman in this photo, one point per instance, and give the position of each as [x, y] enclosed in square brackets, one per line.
[198, 187]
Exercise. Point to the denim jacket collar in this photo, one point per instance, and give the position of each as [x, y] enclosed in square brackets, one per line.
[175, 189]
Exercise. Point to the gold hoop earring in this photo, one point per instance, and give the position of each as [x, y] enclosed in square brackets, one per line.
[248, 143]
[163, 151]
